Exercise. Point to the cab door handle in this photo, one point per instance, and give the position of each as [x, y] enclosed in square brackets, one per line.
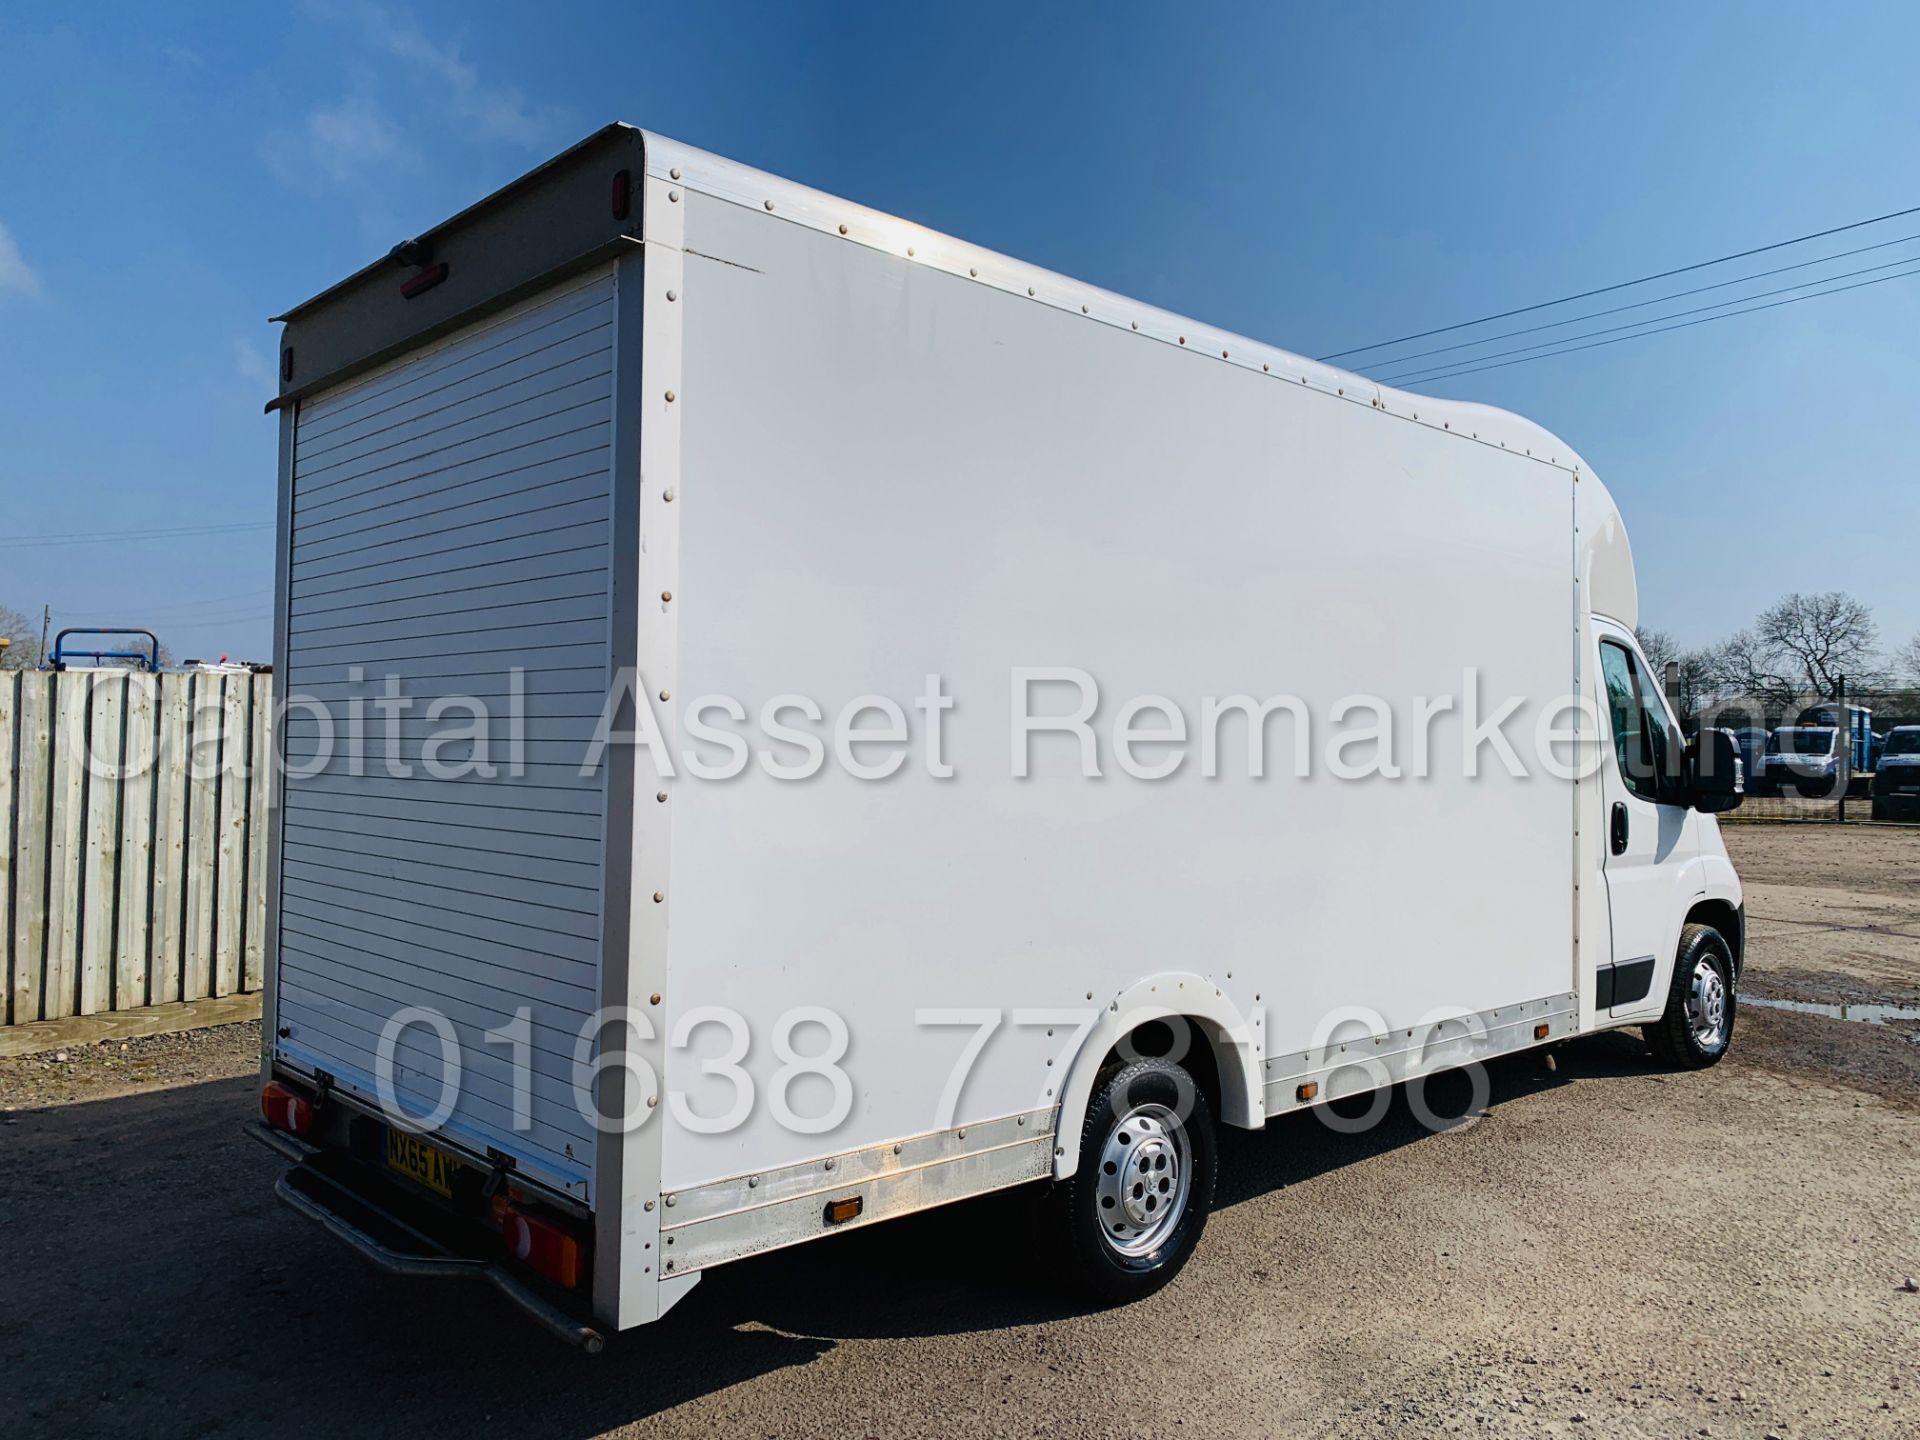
[1619, 827]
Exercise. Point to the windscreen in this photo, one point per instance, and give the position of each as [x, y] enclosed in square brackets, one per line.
[1796, 741]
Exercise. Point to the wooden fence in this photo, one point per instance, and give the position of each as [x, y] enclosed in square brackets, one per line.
[135, 811]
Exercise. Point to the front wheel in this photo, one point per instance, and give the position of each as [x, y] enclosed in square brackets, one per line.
[1697, 1025]
[1135, 1206]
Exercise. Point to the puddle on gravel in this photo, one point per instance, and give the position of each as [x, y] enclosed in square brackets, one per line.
[1866, 1014]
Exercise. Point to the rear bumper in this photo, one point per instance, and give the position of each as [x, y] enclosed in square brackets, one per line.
[390, 1243]
[1897, 804]
[1805, 782]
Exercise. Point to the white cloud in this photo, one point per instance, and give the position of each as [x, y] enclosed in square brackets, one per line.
[340, 142]
[496, 112]
[351, 135]
[353, 144]
[251, 364]
[185, 56]
[15, 273]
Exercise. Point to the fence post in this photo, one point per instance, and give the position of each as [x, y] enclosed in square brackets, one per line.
[1846, 740]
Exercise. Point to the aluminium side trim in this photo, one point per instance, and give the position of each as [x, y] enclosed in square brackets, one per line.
[1371, 1062]
[750, 1214]
[643, 634]
[619, 1148]
[276, 776]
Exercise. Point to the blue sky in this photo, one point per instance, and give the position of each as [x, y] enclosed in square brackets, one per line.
[1315, 176]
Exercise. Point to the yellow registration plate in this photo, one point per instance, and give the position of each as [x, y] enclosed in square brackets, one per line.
[419, 1161]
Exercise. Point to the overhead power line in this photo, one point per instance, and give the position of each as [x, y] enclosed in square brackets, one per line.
[1624, 284]
[1661, 299]
[171, 620]
[175, 627]
[199, 605]
[127, 537]
[1656, 319]
[1470, 368]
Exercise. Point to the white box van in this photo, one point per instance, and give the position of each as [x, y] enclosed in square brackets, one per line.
[1057, 727]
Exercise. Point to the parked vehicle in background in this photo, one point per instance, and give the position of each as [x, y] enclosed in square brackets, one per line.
[1896, 780]
[1751, 742]
[1807, 759]
[1855, 722]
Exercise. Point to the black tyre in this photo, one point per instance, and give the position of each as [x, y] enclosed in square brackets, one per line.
[1136, 1204]
[1697, 1026]
[1882, 810]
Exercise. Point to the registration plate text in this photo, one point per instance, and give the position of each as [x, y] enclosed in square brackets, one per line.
[421, 1162]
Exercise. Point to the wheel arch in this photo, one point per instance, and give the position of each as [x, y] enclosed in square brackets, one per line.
[1726, 917]
[1234, 1048]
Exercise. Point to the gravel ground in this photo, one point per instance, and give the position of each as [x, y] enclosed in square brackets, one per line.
[1611, 1251]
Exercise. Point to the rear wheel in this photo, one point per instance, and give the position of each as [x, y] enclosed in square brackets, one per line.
[1135, 1206]
[1697, 1025]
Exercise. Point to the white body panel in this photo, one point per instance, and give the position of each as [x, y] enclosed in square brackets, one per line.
[888, 473]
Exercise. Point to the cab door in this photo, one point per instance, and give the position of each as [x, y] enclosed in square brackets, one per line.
[1647, 833]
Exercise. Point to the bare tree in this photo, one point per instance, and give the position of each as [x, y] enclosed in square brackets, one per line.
[1698, 681]
[23, 634]
[1822, 639]
[1802, 645]
[1657, 646]
[1740, 667]
[1907, 657]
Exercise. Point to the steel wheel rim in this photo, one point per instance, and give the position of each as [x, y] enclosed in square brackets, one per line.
[1707, 1005]
[1145, 1175]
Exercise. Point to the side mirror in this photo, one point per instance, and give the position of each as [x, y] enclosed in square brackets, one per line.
[1716, 778]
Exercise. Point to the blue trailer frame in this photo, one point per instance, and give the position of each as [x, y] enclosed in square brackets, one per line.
[148, 660]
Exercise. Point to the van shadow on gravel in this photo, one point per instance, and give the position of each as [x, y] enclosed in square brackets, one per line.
[925, 1274]
[157, 1287]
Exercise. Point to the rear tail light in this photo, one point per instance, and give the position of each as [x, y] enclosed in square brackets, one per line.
[540, 1243]
[285, 1108]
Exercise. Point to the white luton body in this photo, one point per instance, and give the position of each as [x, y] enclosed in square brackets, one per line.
[1030, 688]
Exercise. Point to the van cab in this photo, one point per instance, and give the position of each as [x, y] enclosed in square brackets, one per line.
[1808, 759]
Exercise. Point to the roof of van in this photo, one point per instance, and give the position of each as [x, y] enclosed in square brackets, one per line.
[569, 225]
[684, 166]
